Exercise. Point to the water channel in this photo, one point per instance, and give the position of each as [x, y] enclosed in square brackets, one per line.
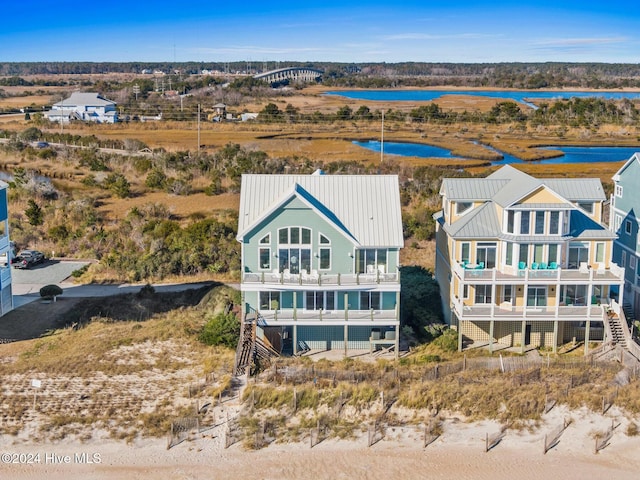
[572, 154]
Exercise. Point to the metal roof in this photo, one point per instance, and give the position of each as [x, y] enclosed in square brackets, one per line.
[507, 187]
[481, 222]
[364, 207]
[84, 98]
[577, 189]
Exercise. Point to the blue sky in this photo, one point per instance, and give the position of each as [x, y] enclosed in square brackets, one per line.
[374, 31]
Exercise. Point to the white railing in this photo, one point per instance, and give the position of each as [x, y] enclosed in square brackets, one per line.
[317, 317]
[526, 275]
[321, 279]
[507, 312]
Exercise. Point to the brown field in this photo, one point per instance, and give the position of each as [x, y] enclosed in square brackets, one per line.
[321, 143]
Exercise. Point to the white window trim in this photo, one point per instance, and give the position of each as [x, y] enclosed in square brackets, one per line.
[618, 191]
[628, 227]
[260, 263]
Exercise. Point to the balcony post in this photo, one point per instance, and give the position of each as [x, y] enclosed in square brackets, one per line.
[523, 334]
[295, 339]
[586, 336]
[346, 339]
[346, 307]
[295, 305]
[491, 322]
[555, 334]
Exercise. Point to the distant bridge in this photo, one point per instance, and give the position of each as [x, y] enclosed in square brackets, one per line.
[295, 74]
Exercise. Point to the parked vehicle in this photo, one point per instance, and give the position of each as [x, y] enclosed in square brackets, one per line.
[27, 258]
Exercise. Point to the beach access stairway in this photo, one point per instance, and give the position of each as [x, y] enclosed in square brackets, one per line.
[251, 346]
[617, 326]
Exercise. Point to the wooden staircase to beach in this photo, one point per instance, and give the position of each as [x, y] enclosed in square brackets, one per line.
[617, 334]
[251, 347]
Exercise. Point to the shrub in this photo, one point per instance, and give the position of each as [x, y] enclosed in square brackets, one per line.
[50, 291]
[448, 341]
[223, 329]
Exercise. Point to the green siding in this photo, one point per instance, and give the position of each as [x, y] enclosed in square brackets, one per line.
[332, 338]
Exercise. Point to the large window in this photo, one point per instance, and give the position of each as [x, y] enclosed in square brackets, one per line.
[294, 249]
[573, 294]
[536, 297]
[578, 253]
[370, 260]
[320, 300]
[486, 253]
[483, 294]
[370, 301]
[269, 300]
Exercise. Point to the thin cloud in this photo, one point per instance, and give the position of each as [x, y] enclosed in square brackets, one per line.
[428, 36]
[253, 50]
[579, 42]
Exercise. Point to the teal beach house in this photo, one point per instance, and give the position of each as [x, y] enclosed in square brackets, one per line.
[320, 260]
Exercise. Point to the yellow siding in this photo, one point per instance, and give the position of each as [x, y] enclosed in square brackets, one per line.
[543, 195]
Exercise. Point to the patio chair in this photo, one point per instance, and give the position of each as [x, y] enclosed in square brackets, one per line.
[553, 266]
[534, 266]
[480, 266]
[522, 266]
[542, 266]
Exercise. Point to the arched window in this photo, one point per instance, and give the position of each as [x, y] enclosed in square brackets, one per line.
[294, 249]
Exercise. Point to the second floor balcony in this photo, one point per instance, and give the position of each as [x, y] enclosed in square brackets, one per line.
[553, 274]
[314, 278]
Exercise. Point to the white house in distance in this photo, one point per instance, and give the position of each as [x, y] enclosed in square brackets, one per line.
[83, 106]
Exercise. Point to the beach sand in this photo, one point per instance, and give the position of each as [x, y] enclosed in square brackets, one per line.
[459, 453]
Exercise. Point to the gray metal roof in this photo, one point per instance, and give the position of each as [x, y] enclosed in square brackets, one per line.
[365, 207]
[506, 187]
[481, 222]
[577, 189]
[84, 98]
[467, 189]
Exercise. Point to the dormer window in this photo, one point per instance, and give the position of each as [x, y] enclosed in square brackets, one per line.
[586, 206]
[462, 207]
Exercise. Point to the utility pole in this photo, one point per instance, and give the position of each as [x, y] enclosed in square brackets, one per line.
[198, 127]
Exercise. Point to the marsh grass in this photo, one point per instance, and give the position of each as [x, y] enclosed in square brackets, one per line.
[117, 375]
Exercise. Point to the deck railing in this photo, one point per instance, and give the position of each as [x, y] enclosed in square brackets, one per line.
[333, 317]
[507, 312]
[526, 275]
[320, 279]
